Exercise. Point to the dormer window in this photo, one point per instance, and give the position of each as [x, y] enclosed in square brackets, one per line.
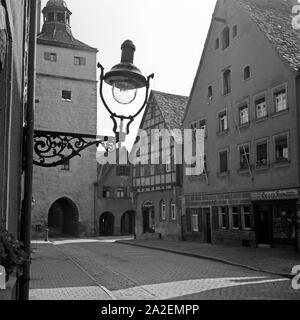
[225, 38]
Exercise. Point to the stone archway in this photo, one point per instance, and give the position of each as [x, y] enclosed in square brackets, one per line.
[128, 223]
[106, 224]
[63, 218]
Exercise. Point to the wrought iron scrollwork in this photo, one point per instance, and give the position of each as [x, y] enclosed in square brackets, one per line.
[52, 149]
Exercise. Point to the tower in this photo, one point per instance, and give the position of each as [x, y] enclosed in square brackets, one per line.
[66, 93]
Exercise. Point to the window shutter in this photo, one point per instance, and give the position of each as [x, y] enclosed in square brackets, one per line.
[215, 218]
[83, 61]
[227, 218]
[188, 220]
[47, 56]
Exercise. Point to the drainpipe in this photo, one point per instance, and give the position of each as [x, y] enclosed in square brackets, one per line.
[25, 233]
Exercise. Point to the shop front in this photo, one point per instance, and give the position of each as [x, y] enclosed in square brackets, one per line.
[275, 216]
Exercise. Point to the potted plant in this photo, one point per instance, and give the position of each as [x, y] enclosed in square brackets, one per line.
[12, 257]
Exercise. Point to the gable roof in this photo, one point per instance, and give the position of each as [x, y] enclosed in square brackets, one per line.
[172, 107]
[274, 19]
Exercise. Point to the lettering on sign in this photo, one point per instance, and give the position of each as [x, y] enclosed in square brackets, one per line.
[275, 195]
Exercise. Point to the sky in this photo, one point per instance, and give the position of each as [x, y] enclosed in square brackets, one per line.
[169, 36]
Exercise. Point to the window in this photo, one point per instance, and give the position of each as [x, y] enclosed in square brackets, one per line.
[281, 148]
[79, 61]
[247, 73]
[50, 56]
[107, 192]
[246, 218]
[121, 193]
[261, 108]
[227, 81]
[280, 100]
[66, 95]
[123, 171]
[222, 217]
[162, 210]
[235, 217]
[61, 17]
[244, 114]
[225, 38]
[261, 154]
[223, 123]
[51, 16]
[223, 162]
[66, 166]
[234, 31]
[209, 92]
[173, 210]
[195, 220]
[202, 125]
[217, 44]
[244, 157]
[194, 128]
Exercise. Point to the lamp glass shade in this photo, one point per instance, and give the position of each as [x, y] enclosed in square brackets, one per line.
[122, 94]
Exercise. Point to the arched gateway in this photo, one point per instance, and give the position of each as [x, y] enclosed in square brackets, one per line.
[63, 218]
[106, 224]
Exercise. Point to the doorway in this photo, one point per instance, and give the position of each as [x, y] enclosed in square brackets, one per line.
[128, 223]
[263, 223]
[207, 218]
[106, 224]
[148, 217]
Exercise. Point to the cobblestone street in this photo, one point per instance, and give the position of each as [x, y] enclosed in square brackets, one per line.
[102, 271]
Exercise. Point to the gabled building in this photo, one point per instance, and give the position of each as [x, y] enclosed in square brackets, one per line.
[247, 92]
[66, 94]
[114, 202]
[158, 186]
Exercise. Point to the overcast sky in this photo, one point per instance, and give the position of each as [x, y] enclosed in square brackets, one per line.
[169, 36]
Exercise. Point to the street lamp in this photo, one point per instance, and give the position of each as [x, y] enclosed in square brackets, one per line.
[54, 148]
[125, 79]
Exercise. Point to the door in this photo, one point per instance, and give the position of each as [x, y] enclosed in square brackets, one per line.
[263, 214]
[207, 216]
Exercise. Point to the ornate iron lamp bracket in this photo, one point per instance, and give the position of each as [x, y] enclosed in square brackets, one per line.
[52, 149]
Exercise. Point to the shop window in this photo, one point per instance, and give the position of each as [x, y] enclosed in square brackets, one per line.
[235, 217]
[280, 100]
[284, 223]
[223, 121]
[173, 210]
[66, 95]
[281, 148]
[225, 38]
[246, 214]
[223, 161]
[261, 154]
[244, 114]
[222, 217]
[244, 156]
[195, 220]
[261, 108]
[163, 215]
[227, 81]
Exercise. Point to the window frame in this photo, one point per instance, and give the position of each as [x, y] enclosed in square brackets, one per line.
[241, 147]
[195, 216]
[66, 166]
[51, 55]
[163, 210]
[276, 90]
[232, 214]
[260, 142]
[243, 214]
[81, 60]
[225, 36]
[219, 114]
[173, 212]
[282, 160]
[234, 31]
[66, 99]
[121, 193]
[245, 69]
[256, 99]
[223, 151]
[221, 216]
[227, 81]
[242, 106]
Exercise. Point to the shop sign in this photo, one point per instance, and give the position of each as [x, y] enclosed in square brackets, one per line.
[275, 195]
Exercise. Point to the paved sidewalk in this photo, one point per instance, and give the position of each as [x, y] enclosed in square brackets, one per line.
[272, 261]
[55, 276]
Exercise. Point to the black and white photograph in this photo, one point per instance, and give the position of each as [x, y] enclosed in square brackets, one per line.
[149, 154]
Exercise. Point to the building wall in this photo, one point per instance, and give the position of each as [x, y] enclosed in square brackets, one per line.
[11, 115]
[249, 47]
[77, 116]
[114, 205]
[168, 229]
